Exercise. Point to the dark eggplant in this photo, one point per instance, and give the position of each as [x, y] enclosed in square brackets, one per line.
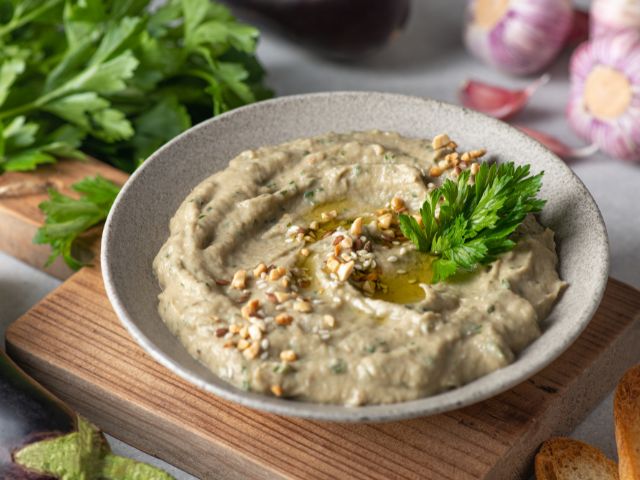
[41, 437]
[339, 28]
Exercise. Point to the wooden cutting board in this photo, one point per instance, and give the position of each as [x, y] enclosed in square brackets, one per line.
[73, 343]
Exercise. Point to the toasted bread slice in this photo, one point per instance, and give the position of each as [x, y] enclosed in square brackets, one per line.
[569, 459]
[626, 410]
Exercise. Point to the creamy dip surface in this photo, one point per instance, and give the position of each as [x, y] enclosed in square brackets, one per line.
[287, 274]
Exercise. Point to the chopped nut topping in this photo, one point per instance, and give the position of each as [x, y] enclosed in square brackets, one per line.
[222, 282]
[251, 308]
[452, 145]
[259, 270]
[233, 328]
[276, 273]
[276, 390]
[453, 158]
[440, 141]
[333, 264]
[282, 296]
[244, 332]
[345, 270]
[229, 344]
[418, 218]
[288, 356]
[475, 168]
[314, 225]
[283, 319]
[329, 321]
[252, 351]
[435, 171]
[466, 157]
[221, 332]
[384, 221]
[356, 227]
[477, 153]
[243, 344]
[255, 333]
[285, 282]
[397, 204]
[326, 216]
[239, 281]
[305, 252]
[302, 306]
[346, 243]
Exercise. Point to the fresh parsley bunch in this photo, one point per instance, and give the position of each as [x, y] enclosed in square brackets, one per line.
[114, 79]
[466, 224]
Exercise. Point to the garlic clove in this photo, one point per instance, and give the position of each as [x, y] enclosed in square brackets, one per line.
[497, 101]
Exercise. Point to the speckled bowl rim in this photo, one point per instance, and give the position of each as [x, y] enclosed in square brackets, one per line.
[474, 392]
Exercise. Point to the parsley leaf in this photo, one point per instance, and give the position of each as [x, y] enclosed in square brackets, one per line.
[102, 66]
[68, 217]
[474, 221]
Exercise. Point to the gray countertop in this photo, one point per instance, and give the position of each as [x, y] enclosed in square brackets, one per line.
[427, 60]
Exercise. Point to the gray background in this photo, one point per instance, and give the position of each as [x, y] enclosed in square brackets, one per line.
[428, 60]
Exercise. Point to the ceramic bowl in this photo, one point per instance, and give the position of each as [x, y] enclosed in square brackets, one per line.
[139, 220]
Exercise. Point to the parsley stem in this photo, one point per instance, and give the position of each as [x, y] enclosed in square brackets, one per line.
[25, 108]
[33, 14]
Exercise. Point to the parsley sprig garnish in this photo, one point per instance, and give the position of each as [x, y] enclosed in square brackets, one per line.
[475, 221]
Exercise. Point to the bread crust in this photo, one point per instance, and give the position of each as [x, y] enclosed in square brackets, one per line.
[563, 458]
[626, 412]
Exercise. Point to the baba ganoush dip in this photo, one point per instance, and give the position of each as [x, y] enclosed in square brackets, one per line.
[287, 274]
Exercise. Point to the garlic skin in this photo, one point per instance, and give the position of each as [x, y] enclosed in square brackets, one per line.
[614, 16]
[604, 101]
[517, 36]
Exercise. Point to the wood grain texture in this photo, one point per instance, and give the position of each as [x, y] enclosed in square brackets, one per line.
[20, 216]
[73, 343]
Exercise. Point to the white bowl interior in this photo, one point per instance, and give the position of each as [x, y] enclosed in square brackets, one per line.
[138, 225]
